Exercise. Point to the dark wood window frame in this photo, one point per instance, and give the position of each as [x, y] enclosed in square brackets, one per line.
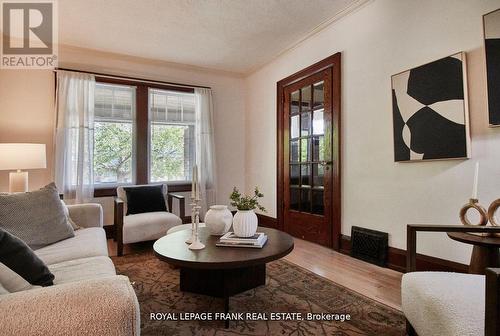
[333, 62]
[141, 136]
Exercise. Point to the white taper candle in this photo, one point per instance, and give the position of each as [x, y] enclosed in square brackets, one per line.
[197, 185]
[194, 182]
[476, 179]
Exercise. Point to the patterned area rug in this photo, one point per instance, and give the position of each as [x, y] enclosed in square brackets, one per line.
[289, 288]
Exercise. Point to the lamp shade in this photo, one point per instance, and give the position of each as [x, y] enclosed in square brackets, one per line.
[15, 156]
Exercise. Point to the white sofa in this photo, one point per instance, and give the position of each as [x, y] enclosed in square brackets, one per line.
[87, 296]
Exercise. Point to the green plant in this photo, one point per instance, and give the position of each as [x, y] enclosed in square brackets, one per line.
[246, 202]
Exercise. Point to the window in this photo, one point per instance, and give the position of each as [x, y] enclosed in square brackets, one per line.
[143, 133]
[172, 138]
[113, 133]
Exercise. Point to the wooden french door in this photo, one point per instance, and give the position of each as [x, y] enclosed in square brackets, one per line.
[309, 153]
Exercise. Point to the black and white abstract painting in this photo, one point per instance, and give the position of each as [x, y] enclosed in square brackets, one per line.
[430, 111]
[492, 49]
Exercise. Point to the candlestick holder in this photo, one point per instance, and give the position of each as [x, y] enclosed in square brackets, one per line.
[473, 204]
[196, 243]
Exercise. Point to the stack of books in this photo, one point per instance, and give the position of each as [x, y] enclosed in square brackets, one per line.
[258, 240]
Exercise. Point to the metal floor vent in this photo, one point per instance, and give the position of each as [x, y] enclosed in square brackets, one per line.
[369, 245]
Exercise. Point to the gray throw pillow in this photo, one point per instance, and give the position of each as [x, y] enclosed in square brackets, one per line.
[36, 217]
[70, 221]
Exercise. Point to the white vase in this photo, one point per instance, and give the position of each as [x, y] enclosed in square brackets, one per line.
[218, 220]
[245, 223]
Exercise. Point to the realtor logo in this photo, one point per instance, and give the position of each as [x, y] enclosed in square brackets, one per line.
[29, 33]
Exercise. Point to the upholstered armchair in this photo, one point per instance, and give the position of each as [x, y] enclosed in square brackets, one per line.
[133, 228]
[446, 303]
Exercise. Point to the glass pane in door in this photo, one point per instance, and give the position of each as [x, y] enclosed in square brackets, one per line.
[295, 199]
[317, 202]
[318, 122]
[305, 124]
[294, 102]
[305, 200]
[305, 175]
[305, 150]
[294, 126]
[294, 174]
[318, 95]
[305, 101]
[318, 148]
[318, 175]
[294, 151]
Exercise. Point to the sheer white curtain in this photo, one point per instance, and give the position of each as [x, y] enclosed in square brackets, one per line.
[205, 148]
[74, 171]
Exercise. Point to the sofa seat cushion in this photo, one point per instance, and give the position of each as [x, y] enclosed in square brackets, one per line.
[82, 269]
[3, 291]
[444, 303]
[13, 282]
[87, 242]
[148, 226]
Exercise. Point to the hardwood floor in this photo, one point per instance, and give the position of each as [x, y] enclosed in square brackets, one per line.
[378, 283]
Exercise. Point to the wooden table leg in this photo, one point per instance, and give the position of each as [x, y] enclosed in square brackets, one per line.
[226, 310]
[222, 283]
[483, 257]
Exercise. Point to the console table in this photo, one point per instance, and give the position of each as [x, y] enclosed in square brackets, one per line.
[485, 252]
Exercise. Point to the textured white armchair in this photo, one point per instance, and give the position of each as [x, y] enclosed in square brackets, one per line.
[449, 304]
[144, 226]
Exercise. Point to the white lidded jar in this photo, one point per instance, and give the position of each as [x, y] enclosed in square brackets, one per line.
[218, 220]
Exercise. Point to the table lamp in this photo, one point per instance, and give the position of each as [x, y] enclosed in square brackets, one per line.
[17, 156]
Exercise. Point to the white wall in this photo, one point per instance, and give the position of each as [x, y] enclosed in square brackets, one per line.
[27, 109]
[382, 38]
[27, 115]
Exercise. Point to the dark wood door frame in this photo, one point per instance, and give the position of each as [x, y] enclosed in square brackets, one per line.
[333, 64]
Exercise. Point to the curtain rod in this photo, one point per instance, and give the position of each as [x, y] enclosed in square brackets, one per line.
[135, 79]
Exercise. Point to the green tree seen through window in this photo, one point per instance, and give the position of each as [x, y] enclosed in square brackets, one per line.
[113, 152]
[167, 152]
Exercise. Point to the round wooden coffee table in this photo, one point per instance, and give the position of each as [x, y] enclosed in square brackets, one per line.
[221, 271]
[485, 252]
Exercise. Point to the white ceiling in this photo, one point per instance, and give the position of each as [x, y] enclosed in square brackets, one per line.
[230, 35]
